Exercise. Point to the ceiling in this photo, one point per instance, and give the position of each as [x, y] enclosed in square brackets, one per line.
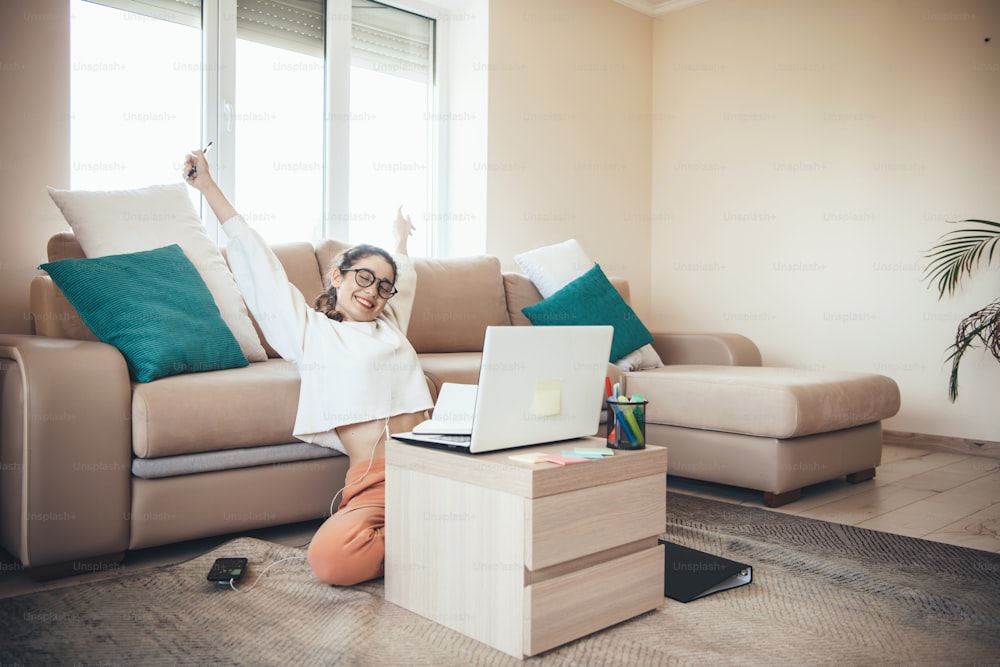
[657, 7]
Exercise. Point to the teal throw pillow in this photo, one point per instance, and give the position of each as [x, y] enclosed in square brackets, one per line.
[588, 300]
[154, 307]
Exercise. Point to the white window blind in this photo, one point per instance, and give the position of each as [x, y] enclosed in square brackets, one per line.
[185, 12]
[391, 41]
[294, 25]
[382, 38]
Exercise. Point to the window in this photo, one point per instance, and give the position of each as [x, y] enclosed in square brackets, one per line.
[135, 98]
[391, 103]
[277, 118]
[154, 78]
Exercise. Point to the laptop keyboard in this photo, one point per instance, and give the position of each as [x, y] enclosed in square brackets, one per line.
[457, 439]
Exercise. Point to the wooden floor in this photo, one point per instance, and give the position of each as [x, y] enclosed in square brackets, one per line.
[932, 494]
[927, 493]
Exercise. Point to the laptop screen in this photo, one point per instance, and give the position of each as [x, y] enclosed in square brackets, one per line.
[540, 384]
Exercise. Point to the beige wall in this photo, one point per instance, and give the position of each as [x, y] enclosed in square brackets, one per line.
[34, 136]
[569, 133]
[805, 156]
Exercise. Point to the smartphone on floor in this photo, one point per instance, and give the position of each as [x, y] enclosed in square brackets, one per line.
[225, 570]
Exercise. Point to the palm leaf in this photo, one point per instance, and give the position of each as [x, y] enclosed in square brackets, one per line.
[958, 252]
[984, 324]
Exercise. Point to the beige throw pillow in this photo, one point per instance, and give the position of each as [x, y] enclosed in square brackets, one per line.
[115, 222]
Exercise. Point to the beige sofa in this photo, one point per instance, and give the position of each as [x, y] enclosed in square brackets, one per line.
[94, 465]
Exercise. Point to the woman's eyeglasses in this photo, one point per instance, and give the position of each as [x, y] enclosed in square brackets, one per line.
[365, 278]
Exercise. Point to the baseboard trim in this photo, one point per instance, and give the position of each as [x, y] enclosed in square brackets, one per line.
[942, 443]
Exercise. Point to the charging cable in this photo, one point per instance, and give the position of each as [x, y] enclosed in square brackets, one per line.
[259, 576]
[371, 462]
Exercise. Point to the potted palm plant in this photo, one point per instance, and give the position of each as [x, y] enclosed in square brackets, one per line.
[954, 255]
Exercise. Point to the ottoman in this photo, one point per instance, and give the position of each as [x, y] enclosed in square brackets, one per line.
[775, 430]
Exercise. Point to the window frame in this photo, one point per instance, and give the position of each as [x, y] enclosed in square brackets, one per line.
[219, 37]
[218, 32]
[336, 203]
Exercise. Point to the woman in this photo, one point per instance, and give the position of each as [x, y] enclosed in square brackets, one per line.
[360, 377]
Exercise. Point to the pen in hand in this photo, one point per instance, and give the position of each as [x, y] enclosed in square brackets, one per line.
[194, 169]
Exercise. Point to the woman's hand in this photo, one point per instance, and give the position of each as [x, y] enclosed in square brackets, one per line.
[195, 173]
[195, 170]
[401, 230]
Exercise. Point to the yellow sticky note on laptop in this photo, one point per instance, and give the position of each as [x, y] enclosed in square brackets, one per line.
[548, 398]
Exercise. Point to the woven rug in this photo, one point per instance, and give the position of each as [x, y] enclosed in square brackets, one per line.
[822, 594]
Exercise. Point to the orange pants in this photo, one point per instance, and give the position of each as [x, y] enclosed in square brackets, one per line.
[350, 546]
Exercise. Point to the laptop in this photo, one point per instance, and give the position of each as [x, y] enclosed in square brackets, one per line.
[537, 384]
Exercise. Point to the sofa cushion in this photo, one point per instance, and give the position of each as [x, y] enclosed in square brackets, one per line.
[456, 300]
[763, 401]
[53, 314]
[228, 459]
[520, 293]
[240, 407]
[327, 252]
[592, 299]
[64, 245]
[302, 267]
[122, 221]
[154, 307]
[461, 367]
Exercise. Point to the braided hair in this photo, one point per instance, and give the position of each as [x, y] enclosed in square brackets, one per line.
[326, 302]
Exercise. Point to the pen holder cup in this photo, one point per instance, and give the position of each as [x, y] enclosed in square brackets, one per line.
[626, 424]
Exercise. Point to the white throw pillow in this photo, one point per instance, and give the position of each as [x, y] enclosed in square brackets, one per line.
[642, 359]
[115, 222]
[552, 267]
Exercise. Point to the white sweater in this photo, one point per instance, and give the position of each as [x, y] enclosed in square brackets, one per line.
[350, 371]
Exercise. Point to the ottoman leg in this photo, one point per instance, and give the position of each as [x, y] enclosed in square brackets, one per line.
[779, 499]
[861, 476]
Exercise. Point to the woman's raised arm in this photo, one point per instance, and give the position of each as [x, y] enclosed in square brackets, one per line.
[197, 176]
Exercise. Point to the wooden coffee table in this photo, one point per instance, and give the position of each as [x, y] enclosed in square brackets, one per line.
[524, 557]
